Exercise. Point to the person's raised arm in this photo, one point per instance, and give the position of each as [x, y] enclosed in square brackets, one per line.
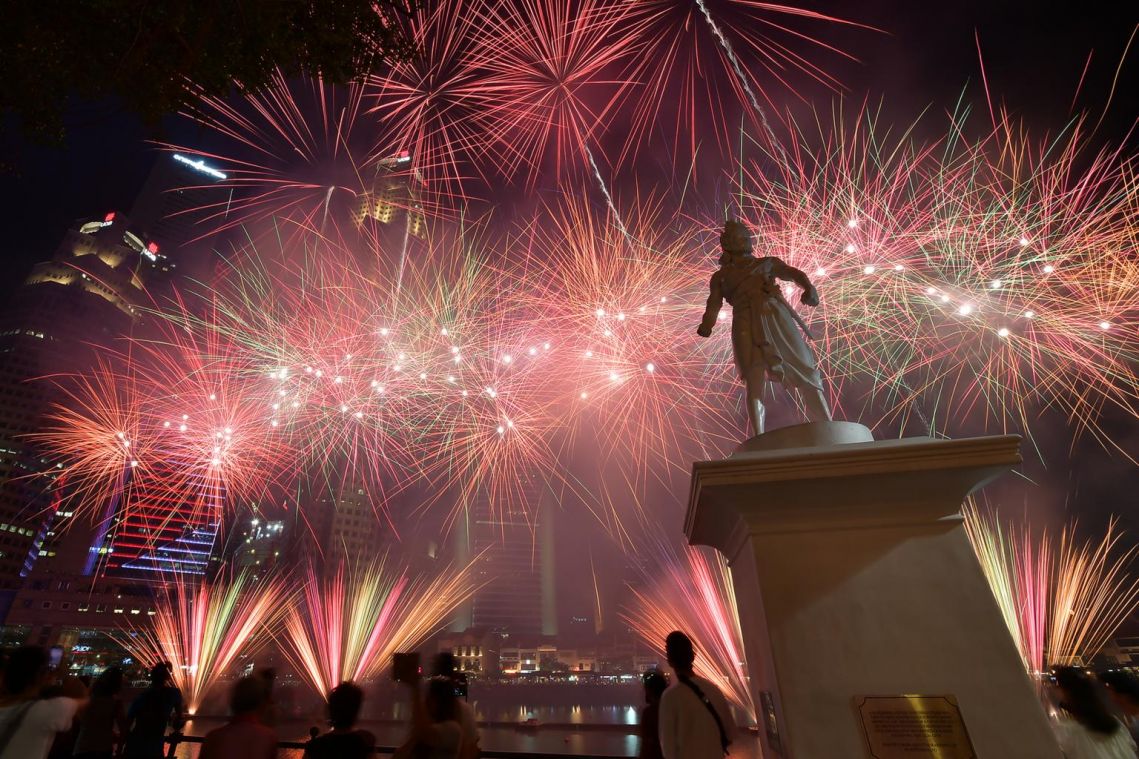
[420, 721]
[712, 310]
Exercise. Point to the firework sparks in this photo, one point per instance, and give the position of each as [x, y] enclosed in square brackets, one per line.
[959, 277]
[694, 594]
[550, 78]
[351, 622]
[1061, 599]
[432, 103]
[334, 633]
[299, 149]
[201, 628]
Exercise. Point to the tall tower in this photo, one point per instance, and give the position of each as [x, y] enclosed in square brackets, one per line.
[347, 524]
[514, 547]
[68, 310]
[394, 198]
[182, 202]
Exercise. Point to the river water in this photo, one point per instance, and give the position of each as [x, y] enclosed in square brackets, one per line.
[570, 720]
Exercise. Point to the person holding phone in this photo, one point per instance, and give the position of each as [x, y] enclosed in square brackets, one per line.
[444, 667]
[435, 730]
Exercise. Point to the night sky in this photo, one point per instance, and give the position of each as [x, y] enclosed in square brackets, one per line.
[925, 57]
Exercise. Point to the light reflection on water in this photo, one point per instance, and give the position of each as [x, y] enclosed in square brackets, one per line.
[571, 721]
[549, 740]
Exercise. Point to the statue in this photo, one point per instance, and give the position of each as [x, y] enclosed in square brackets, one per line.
[766, 336]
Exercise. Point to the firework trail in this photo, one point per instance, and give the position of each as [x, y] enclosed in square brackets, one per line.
[333, 635]
[350, 623]
[1062, 599]
[201, 628]
[693, 593]
[680, 40]
[742, 78]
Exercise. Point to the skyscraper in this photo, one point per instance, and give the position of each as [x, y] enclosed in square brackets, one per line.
[182, 202]
[394, 197]
[346, 524]
[513, 545]
[167, 522]
[68, 310]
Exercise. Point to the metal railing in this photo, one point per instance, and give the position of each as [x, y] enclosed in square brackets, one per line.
[176, 739]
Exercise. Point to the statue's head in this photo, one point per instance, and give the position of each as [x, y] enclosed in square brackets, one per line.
[736, 238]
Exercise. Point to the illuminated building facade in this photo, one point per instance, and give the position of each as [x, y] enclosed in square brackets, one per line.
[394, 198]
[168, 522]
[68, 310]
[260, 546]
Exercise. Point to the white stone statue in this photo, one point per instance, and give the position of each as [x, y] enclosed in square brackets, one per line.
[767, 334]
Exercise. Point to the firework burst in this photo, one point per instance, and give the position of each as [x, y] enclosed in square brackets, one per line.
[625, 297]
[552, 79]
[95, 433]
[959, 277]
[298, 149]
[432, 103]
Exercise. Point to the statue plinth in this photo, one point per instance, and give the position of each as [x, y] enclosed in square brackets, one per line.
[854, 577]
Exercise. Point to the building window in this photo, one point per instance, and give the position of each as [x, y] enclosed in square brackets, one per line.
[65, 606]
[47, 604]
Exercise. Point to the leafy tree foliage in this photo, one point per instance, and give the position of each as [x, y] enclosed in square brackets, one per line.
[152, 55]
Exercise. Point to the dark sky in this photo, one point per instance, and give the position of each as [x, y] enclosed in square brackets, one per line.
[927, 55]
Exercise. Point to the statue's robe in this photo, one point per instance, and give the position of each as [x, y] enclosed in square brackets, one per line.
[766, 331]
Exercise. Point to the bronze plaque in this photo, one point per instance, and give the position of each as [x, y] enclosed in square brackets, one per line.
[914, 727]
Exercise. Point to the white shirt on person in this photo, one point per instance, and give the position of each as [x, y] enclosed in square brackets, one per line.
[1078, 742]
[42, 721]
[687, 729]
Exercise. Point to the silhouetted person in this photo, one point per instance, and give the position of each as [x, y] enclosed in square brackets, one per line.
[435, 730]
[444, 666]
[149, 715]
[103, 723]
[1086, 728]
[245, 736]
[344, 741]
[695, 721]
[655, 684]
[1124, 690]
[269, 713]
[29, 724]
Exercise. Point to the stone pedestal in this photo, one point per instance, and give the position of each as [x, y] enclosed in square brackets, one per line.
[854, 577]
